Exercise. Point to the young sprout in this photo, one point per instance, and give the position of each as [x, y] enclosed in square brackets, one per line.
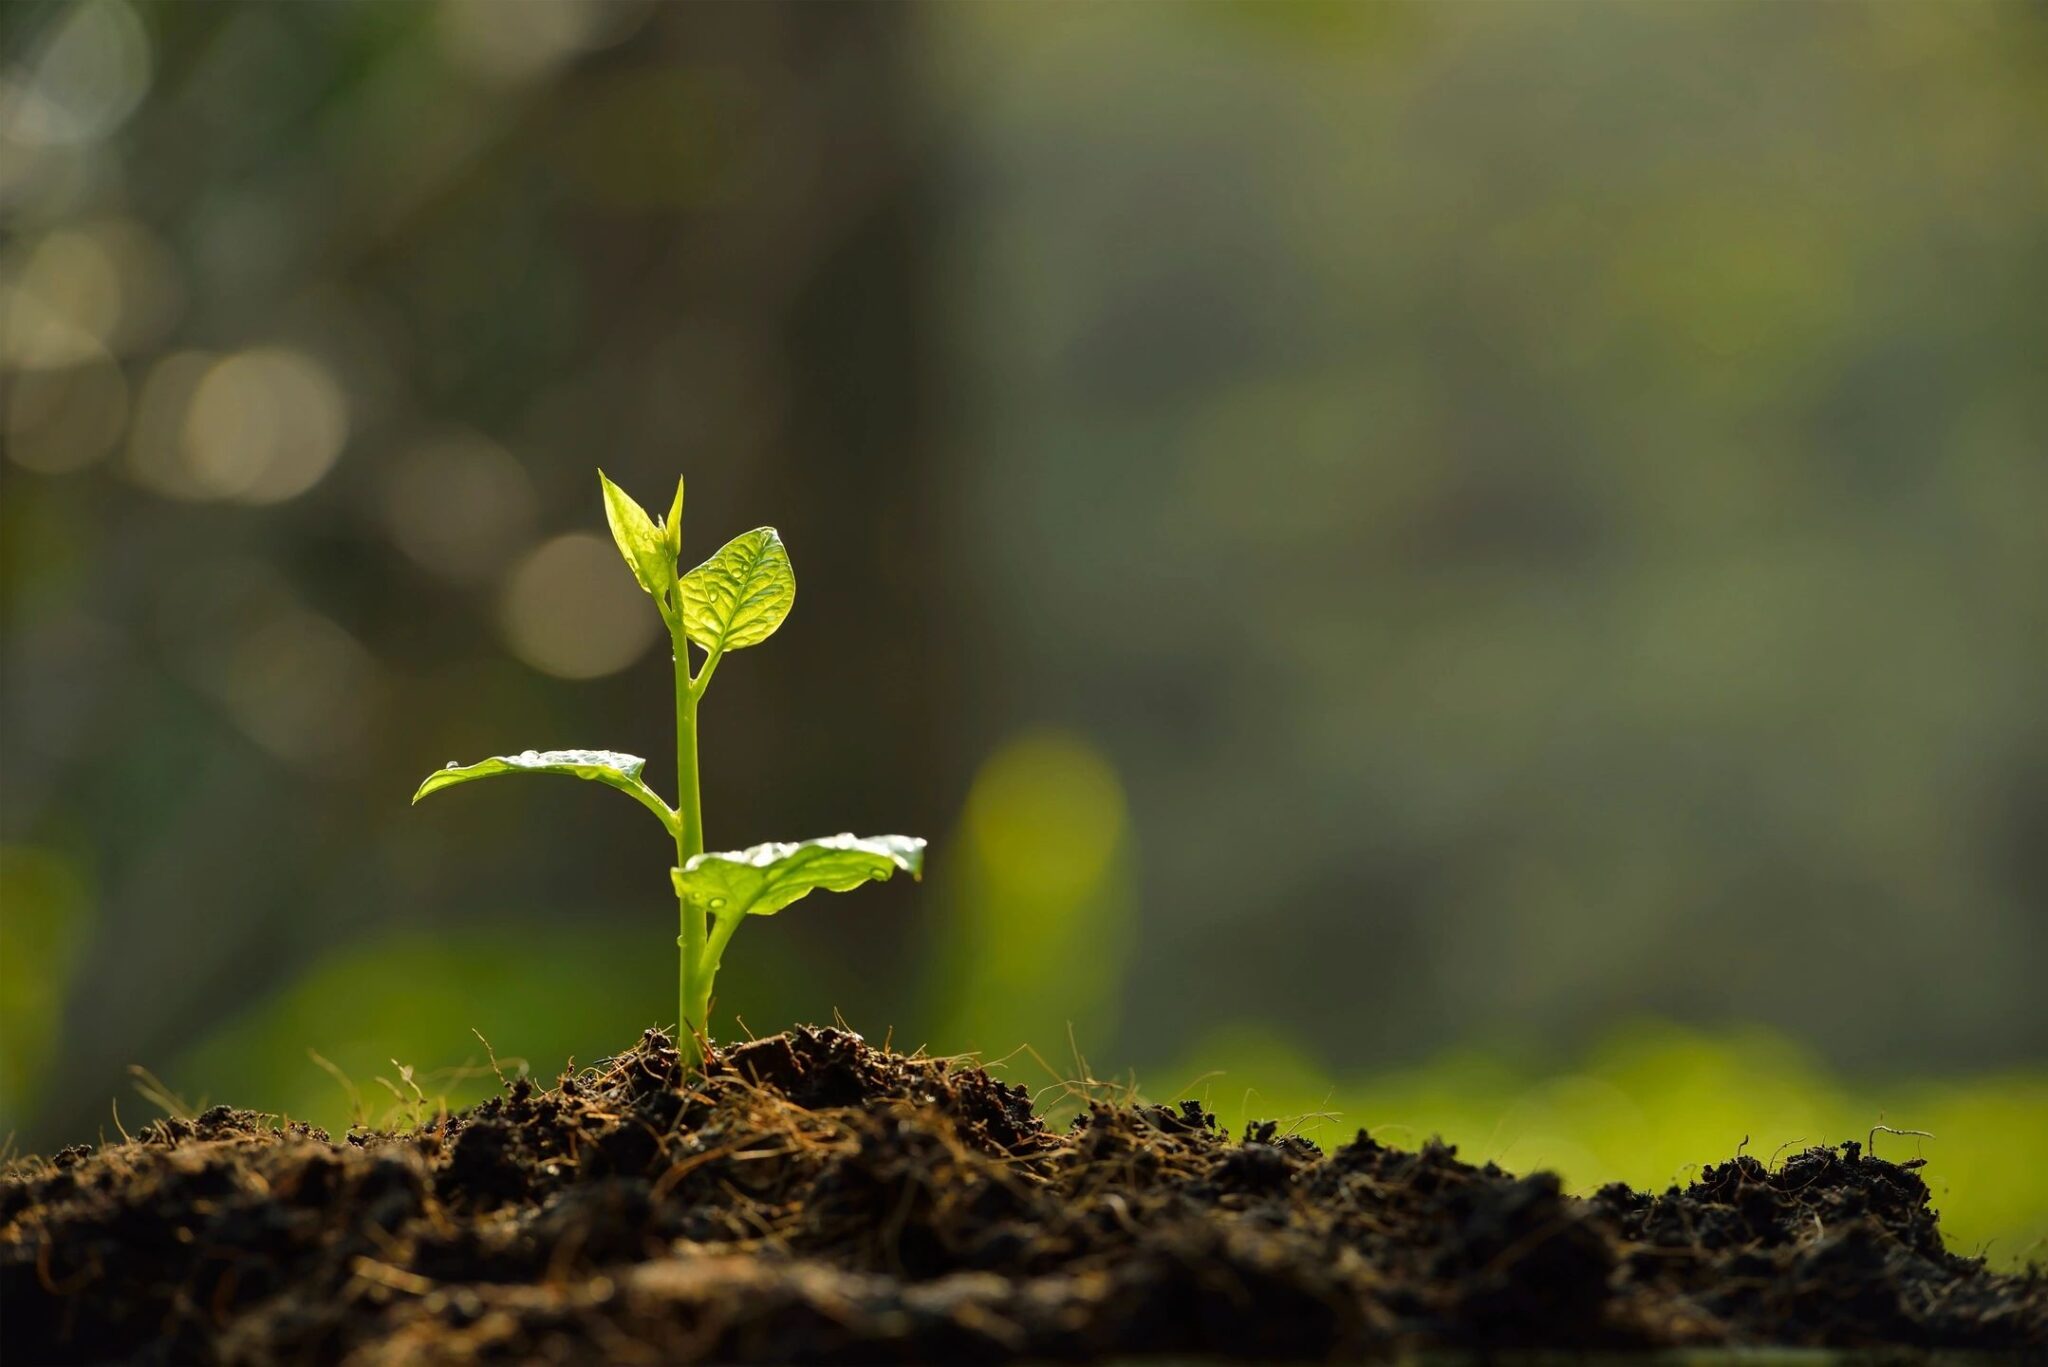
[735, 599]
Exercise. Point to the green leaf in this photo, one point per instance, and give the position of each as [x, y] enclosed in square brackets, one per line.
[740, 595]
[608, 767]
[766, 878]
[672, 528]
[642, 543]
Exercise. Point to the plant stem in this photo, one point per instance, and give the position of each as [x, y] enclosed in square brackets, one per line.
[690, 1022]
[714, 952]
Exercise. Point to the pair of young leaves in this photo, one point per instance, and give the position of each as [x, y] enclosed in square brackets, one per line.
[735, 599]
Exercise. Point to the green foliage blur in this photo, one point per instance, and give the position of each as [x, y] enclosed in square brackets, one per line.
[1475, 568]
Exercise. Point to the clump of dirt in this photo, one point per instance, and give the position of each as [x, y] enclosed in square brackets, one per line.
[811, 1198]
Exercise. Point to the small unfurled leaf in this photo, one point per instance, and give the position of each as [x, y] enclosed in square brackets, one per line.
[643, 544]
[766, 878]
[672, 529]
[740, 595]
[608, 767]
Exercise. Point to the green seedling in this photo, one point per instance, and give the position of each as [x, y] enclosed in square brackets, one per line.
[735, 599]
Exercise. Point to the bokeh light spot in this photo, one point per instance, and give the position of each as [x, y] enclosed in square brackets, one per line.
[64, 420]
[62, 301]
[149, 278]
[518, 42]
[296, 684]
[292, 680]
[460, 505]
[90, 72]
[571, 609]
[1046, 813]
[263, 426]
[156, 456]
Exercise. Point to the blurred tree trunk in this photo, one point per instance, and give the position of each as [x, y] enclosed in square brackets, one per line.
[849, 718]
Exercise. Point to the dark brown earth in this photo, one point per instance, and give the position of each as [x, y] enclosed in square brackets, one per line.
[816, 1199]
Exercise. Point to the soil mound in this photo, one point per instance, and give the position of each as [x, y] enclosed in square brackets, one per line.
[815, 1199]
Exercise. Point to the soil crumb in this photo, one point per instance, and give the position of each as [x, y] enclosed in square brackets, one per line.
[814, 1199]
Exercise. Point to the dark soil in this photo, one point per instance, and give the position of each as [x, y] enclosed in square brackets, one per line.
[815, 1199]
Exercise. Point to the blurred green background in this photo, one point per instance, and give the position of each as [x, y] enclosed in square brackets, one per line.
[1469, 568]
